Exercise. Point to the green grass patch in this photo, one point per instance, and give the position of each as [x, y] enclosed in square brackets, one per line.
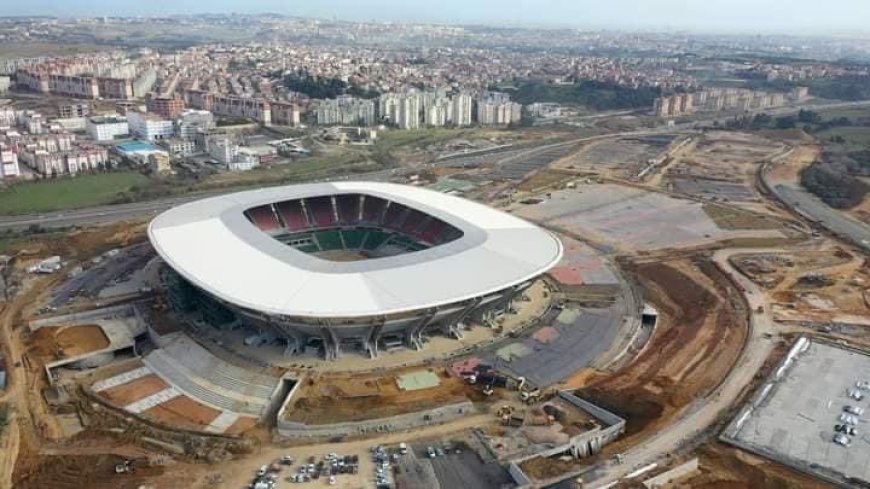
[851, 134]
[419, 137]
[296, 171]
[67, 192]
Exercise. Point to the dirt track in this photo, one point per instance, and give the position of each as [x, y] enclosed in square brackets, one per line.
[697, 340]
[724, 467]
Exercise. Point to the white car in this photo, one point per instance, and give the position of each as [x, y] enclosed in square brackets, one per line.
[854, 410]
[848, 419]
[332, 480]
[842, 440]
[263, 470]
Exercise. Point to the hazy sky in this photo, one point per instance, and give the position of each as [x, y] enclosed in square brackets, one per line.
[797, 16]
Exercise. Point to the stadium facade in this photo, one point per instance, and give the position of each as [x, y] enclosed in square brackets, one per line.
[347, 265]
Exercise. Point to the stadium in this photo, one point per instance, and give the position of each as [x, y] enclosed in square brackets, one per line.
[347, 266]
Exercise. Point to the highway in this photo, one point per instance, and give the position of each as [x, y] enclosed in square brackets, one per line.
[815, 210]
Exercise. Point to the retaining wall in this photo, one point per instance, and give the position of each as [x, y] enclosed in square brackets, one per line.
[290, 429]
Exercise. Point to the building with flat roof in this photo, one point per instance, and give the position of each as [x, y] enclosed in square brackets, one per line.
[165, 107]
[107, 127]
[150, 127]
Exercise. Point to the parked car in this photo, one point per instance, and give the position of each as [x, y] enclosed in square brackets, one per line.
[842, 440]
[854, 410]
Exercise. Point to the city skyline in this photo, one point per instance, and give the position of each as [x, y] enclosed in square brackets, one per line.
[731, 16]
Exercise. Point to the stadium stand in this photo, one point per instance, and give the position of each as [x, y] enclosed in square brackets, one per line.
[352, 222]
[291, 214]
[373, 208]
[412, 221]
[374, 239]
[320, 211]
[353, 238]
[329, 240]
[395, 212]
[263, 218]
[201, 375]
[430, 230]
[348, 208]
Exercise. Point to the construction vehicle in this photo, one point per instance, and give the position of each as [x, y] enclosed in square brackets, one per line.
[514, 420]
[125, 467]
[504, 410]
[530, 397]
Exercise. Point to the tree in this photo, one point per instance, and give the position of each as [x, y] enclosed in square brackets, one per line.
[787, 122]
[809, 117]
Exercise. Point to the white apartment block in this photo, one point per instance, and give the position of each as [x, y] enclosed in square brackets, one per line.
[346, 111]
[149, 126]
[178, 146]
[8, 163]
[492, 113]
[107, 128]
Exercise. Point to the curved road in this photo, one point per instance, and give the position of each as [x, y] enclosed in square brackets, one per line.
[706, 412]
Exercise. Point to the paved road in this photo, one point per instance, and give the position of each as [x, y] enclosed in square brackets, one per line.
[707, 411]
[814, 209]
[122, 212]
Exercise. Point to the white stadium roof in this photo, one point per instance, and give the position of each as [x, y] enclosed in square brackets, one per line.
[212, 244]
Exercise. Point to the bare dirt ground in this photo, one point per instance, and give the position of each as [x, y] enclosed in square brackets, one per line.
[824, 284]
[544, 179]
[700, 332]
[723, 467]
[862, 211]
[789, 169]
[356, 397]
[140, 388]
[242, 425]
[183, 412]
[729, 217]
[58, 342]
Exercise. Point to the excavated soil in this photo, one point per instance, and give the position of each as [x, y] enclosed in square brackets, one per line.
[338, 401]
[183, 412]
[87, 471]
[723, 467]
[700, 332]
[133, 391]
[58, 342]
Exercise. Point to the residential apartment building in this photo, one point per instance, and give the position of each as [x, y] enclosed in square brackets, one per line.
[8, 163]
[107, 128]
[165, 107]
[346, 111]
[145, 125]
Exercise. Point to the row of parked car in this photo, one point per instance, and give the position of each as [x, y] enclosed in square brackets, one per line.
[848, 419]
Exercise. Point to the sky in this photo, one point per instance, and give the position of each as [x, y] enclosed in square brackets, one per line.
[752, 16]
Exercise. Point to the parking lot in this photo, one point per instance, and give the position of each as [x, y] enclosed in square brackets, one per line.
[436, 465]
[794, 423]
[111, 268]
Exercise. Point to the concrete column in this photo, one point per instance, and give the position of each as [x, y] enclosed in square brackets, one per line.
[413, 335]
[449, 324]
[374, 336]
[331, 348]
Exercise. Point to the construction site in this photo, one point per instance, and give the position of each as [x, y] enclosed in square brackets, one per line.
[681, 286]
